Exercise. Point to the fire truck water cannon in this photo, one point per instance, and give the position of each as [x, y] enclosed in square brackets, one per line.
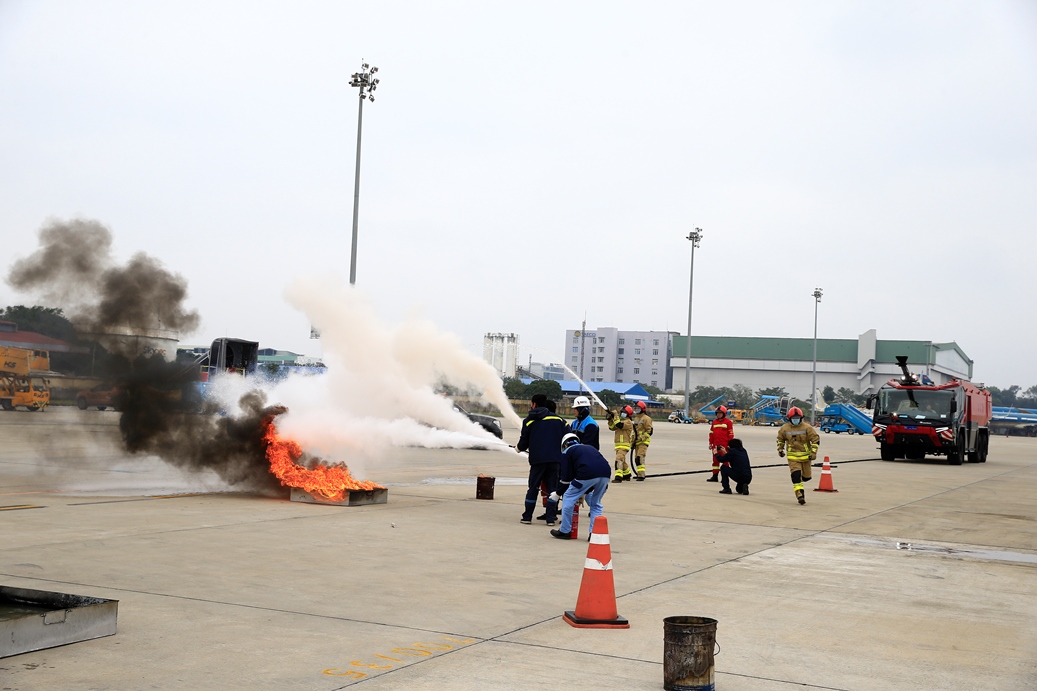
[914, 417]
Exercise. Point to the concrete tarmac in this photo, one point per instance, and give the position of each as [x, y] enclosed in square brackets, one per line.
[915, 575]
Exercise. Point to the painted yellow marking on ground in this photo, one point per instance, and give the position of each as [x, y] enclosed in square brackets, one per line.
[419, 649]
[16, 507]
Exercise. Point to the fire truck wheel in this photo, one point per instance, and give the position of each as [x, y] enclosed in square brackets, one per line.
[887, 452]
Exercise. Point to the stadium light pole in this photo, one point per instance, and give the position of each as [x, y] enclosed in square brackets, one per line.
[696, 237]
[364, 79]
[813, 379]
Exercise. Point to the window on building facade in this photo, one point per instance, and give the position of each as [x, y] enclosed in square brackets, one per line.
[655, 383]
[655, 361]
[655, 342]
[601, 359]
[621, 341]
[655, 351]
[576, 349]
[574, 358]
[655, 373]
[620, 351]
[637, 370]
[576, 339]
[637, 361]
[637, 341]
[601, 350]
[619, 370]
[637, 351]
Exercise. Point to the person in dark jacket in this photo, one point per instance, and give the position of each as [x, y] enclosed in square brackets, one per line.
[584, 425]
[587, 474]
[541, 436]
[736, 467]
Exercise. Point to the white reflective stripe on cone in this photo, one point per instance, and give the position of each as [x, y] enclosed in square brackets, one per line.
[595, 565]
[599, 539]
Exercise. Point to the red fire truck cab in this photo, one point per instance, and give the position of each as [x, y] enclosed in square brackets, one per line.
[912, 419]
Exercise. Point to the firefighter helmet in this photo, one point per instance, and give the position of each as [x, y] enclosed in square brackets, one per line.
[582, 402]
[569, 440]
[642, 406]
[628, 410]
[722, 410]
[795, 412]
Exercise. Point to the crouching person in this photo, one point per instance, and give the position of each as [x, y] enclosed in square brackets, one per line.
[736, 467]
[587, 473]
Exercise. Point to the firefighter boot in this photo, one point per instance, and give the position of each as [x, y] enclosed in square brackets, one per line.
[713, 478]
[801, 496]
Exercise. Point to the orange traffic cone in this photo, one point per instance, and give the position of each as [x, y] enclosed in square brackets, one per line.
[825, 485]
[596, 604]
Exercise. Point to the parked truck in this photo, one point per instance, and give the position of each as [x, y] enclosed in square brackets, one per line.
[23, 378]
[912, 419]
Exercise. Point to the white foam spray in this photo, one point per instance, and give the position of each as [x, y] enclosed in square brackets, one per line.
[379, 386]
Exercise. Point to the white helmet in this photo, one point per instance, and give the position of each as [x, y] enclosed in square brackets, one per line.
[582, 402]
[569, 440]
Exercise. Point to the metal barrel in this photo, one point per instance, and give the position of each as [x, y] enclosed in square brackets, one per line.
[688, 653]
[484, 487]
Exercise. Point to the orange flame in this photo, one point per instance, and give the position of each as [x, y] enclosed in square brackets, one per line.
[328, 481]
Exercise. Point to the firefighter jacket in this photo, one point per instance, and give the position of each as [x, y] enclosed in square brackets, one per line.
[799, 442]
[542, 433]
[624, 431]
[721, 432]
[587, 430]
[643, 427]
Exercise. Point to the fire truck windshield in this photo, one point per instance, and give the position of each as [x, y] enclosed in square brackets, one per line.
[916, 404]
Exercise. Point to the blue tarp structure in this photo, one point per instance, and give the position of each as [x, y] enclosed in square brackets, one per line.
[628, 390]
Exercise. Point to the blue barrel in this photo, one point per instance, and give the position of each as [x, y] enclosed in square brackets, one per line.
[688, 653]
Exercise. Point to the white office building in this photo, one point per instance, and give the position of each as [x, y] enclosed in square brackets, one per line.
[609, 354]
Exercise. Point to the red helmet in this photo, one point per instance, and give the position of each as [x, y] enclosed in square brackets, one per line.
[795, 412]
[628, 410]
[722, 410]
[642, 406]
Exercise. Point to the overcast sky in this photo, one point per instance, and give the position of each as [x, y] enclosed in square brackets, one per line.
[527, 163]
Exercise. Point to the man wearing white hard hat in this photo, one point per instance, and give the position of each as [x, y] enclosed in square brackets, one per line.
[584, 425]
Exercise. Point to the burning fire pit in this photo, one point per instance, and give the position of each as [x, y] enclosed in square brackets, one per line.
[353, 497]
[317, 482]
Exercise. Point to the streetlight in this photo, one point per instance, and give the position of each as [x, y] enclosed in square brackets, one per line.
[365, 80]
[813, 379]
[696, 237]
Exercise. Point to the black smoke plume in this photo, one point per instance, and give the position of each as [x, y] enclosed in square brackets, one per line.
[162, 411]
[73, 268]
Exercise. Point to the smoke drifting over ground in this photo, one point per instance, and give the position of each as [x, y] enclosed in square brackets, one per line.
[378, 390]
[74, 269]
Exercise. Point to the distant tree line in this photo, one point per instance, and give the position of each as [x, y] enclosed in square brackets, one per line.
[1012, 398]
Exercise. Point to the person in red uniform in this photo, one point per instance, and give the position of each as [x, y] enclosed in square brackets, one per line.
[721, 432]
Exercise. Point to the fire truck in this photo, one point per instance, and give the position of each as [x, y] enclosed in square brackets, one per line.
[21, 378]
[913, 418]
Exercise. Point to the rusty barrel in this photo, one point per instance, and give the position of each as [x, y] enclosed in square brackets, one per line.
[688, 653]
[484, 487]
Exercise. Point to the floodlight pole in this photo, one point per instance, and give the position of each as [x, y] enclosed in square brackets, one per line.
[364, 80]
[696, 237]
[813, 379]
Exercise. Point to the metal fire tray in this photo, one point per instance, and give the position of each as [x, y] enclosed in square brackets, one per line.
[354, 497]
[38, 619]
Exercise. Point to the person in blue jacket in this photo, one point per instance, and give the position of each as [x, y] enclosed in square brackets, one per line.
[541, 436]
[587, 473]
[736, 467]
[584, 425]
